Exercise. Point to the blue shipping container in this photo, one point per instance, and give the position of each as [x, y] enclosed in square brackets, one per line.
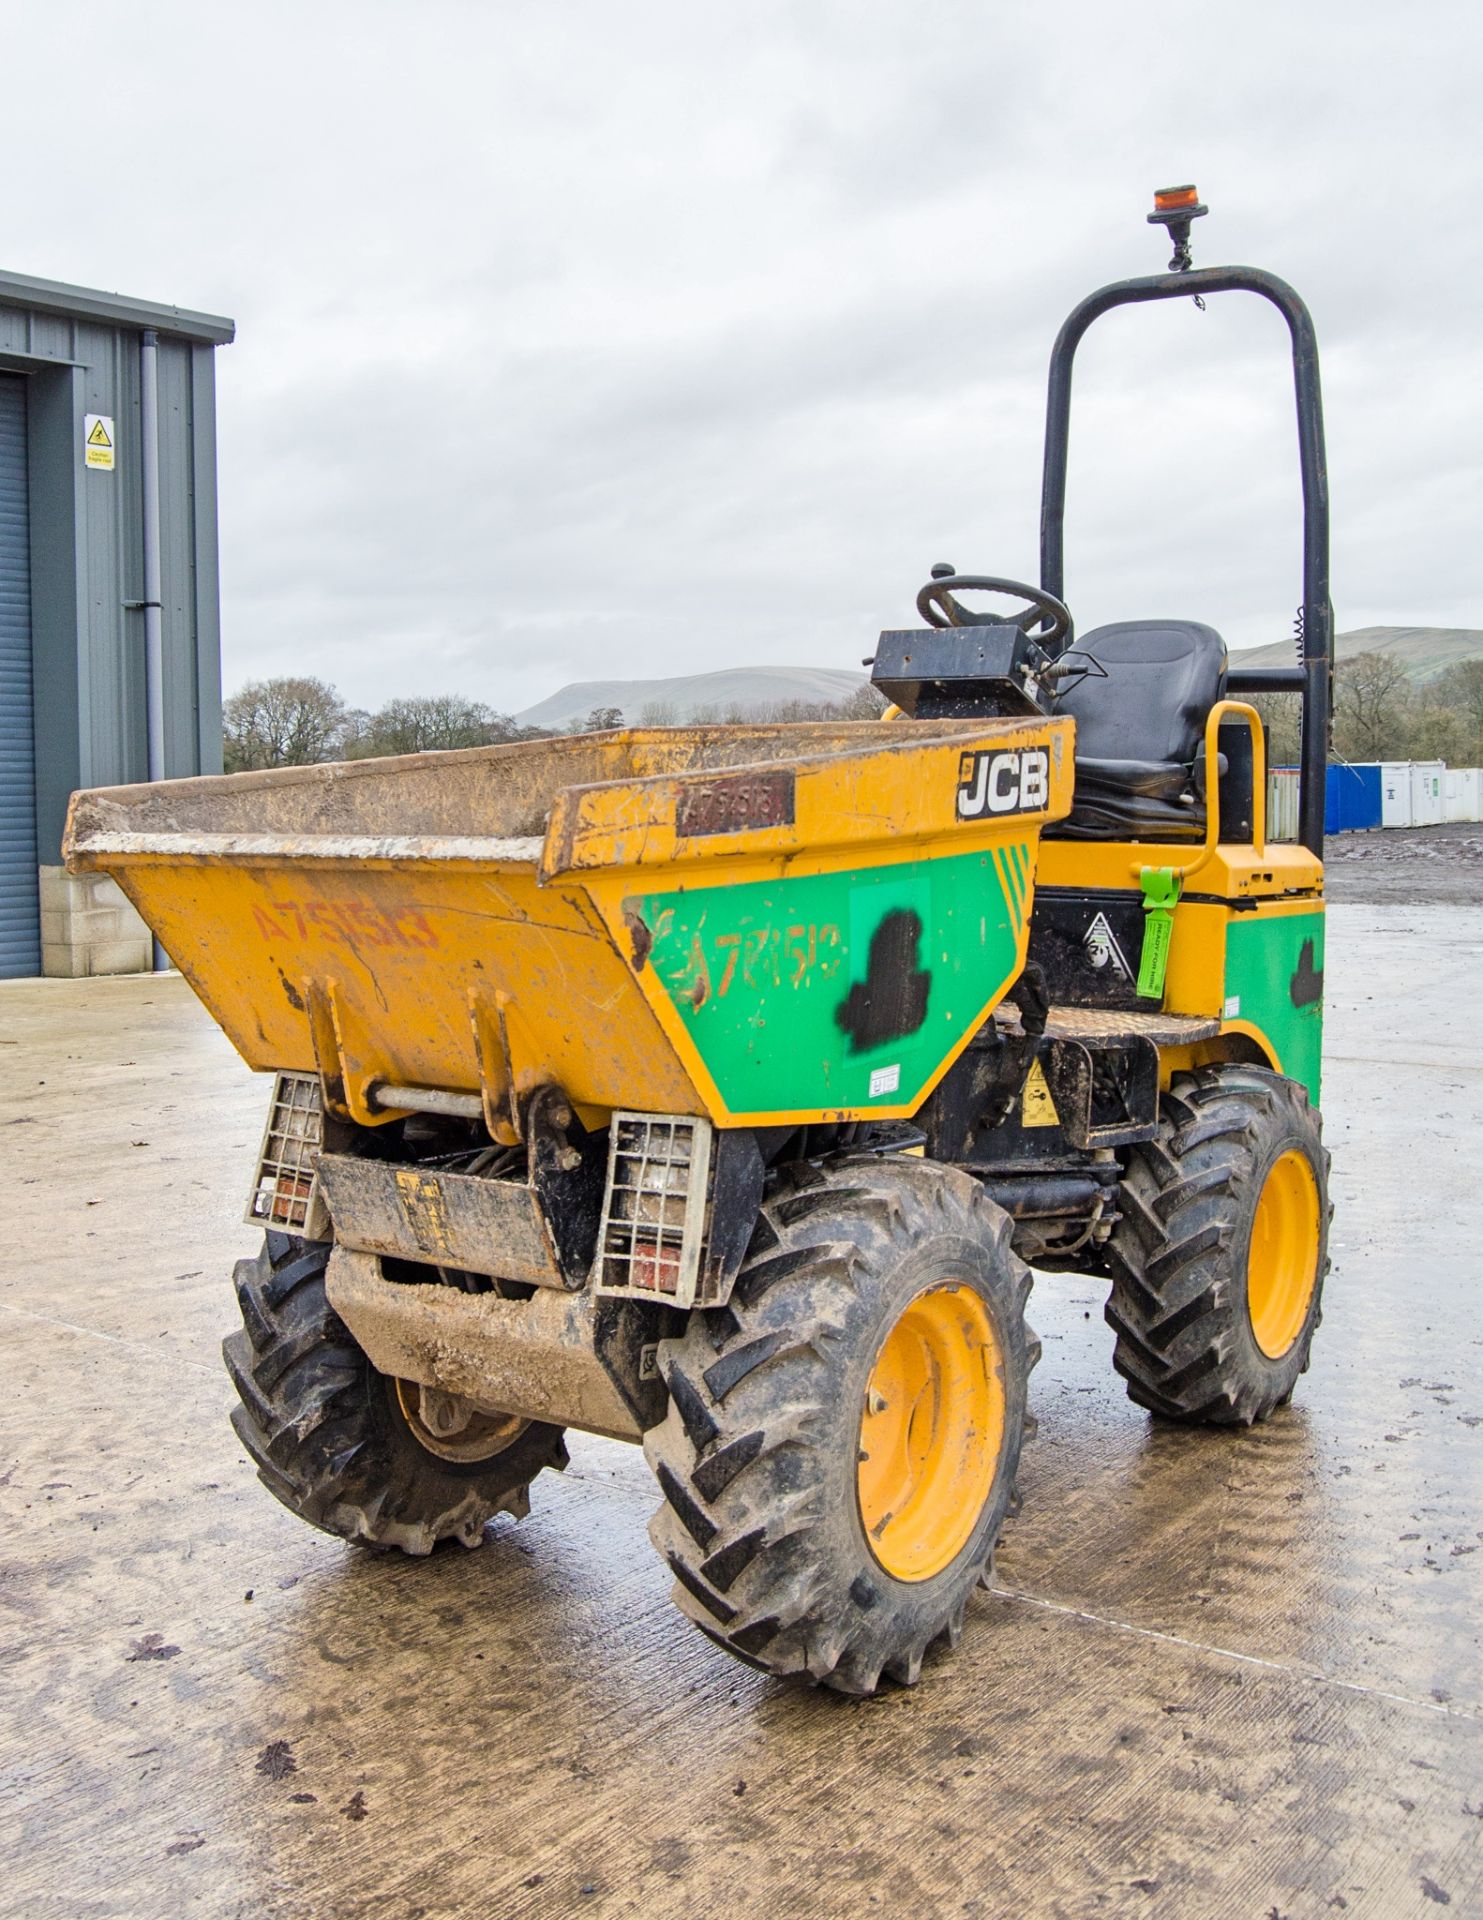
[1351, 799]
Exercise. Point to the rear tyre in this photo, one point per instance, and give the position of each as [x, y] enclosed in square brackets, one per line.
[841, 1442]
[1219, 1258]
[345, 1447]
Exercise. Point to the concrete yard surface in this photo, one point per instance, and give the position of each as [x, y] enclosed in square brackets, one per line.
[1224, 1674]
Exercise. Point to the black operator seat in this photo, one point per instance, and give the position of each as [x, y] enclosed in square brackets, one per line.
[1140, 732]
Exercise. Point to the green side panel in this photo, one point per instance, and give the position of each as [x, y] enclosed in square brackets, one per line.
[1274, 974]
[841, 989]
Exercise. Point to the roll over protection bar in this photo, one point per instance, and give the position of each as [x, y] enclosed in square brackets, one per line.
[1313, 676]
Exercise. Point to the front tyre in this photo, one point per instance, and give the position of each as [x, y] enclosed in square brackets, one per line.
[1219, 1258]
[349, 1449]
[842, 1439]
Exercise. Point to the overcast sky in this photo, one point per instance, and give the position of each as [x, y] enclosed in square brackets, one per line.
[579, 339]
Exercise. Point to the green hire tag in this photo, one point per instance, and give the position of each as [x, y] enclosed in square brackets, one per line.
[1160, 893]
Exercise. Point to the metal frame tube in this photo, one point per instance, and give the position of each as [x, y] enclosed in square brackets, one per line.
[1266, 680]
[456, 1106]
[154, 635]
[1314, 677]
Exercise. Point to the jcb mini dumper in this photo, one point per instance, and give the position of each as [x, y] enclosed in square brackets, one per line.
[711, 1088]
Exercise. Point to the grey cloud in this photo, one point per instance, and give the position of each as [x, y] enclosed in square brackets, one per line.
[578, 340]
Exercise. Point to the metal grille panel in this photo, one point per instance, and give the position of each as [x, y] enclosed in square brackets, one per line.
[655, 1210]
[285, 1192]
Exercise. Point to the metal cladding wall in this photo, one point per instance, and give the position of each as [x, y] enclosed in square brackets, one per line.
[77, 354]
[20, 923]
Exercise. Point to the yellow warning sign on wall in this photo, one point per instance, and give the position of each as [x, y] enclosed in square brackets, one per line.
[97, 441]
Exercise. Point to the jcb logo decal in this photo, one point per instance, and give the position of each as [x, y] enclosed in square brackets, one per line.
[1003, 780]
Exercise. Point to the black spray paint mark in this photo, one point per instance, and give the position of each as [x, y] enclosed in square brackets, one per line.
[1306, 986]
[891, 1001]
[641, 935]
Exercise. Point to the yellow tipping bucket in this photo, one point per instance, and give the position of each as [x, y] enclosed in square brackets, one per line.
[758, 924]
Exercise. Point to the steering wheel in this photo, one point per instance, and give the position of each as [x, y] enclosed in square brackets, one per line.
[936, 605]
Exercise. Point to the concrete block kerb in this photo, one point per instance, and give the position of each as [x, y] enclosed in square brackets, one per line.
[89, 927]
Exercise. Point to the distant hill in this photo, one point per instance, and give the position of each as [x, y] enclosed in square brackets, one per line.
[1423, 651]
[684, 696]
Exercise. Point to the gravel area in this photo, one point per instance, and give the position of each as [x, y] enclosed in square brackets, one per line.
[1404, 864]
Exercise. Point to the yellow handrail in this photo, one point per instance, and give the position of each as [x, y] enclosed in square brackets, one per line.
[1212, 786]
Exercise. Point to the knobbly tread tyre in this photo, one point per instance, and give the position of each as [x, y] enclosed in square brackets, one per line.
[323, 1429]
[1178, 1305]
[757, 1453]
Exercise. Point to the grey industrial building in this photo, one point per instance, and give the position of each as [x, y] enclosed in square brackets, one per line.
[110, 636]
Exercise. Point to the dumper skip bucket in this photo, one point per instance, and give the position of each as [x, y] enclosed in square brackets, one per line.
[756, 924]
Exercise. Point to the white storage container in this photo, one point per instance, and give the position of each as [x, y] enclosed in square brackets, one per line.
[1426, 793]
[1460, 794]
[1282, 803]
[1395, 793]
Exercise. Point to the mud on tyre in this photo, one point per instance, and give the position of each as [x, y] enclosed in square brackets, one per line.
[344, 1446]
[1219, 1259]
[842, 1439]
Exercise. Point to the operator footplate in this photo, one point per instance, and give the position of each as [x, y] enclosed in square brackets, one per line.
[1100, 1069]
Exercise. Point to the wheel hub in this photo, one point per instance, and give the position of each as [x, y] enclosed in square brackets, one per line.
[1282, 1264]
[931, 1432]
[454, 1428]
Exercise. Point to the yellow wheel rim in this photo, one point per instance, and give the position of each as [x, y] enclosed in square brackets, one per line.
[465, 1434]
[1282, 1264]
[931, 1432]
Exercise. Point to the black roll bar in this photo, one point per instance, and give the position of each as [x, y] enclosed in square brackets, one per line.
[1313, 677]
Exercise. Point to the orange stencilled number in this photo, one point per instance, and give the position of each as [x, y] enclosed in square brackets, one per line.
[324, 917]
[729, 943]
[769, 956]
[363, 920]
[418, 933]
[344, 922]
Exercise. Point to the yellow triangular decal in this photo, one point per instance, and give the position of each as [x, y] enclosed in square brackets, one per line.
[99, 435]
[1037, 1108]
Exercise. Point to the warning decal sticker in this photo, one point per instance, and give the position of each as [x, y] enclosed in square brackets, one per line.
[1102, 948]
[1037, 1108]
[97, 441]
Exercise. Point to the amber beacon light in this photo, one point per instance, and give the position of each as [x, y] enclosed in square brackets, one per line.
[1174, 208]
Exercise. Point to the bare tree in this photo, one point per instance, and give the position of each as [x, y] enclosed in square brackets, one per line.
[1437, 732]
[1279, 712]
[1460, 691]
[287, 722]
[865, 703]
[1371, 707]
[436, 722]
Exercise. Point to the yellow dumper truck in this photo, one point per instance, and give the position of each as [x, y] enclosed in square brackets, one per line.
[711, 1087]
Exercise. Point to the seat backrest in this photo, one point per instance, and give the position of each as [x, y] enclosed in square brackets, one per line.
[1163, 677]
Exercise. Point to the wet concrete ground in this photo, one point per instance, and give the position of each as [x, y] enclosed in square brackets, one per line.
[1225, 1675]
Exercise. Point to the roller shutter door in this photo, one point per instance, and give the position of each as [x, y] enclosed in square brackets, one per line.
[20, 918]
